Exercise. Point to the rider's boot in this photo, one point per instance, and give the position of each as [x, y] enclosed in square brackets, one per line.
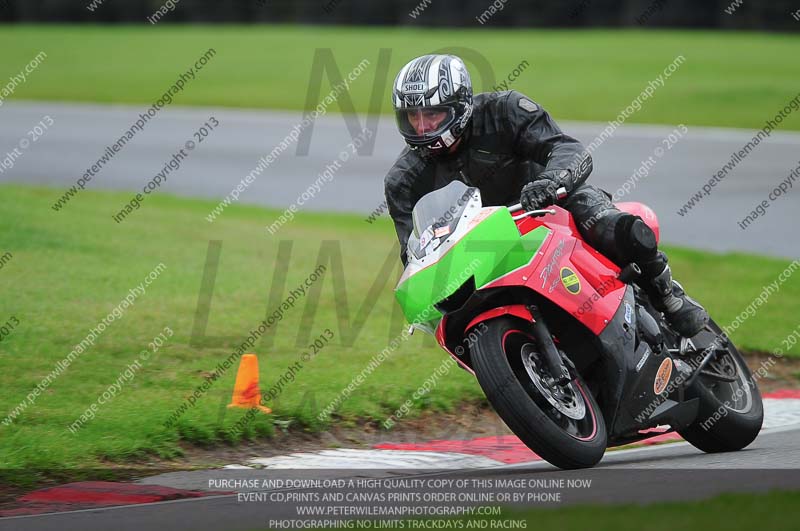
[683, 313]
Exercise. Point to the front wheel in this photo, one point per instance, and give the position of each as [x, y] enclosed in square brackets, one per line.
[562, 424]
[731, 411]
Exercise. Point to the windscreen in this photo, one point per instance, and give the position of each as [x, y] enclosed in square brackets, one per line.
[436, 216]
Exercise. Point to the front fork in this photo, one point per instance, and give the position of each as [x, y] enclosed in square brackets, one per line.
[554, 361]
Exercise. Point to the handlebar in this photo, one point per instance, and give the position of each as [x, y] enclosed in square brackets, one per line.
[561, 193]
[530, 213]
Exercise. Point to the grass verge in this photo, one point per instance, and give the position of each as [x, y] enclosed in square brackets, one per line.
[730, 79]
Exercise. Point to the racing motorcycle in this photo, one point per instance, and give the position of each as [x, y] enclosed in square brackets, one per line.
[569, 352]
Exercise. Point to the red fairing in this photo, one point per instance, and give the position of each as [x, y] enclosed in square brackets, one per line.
[644, 212]
[569, 272]
[517, 310]
[440, 339]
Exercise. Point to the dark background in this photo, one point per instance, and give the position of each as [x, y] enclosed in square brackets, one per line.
[752, 14]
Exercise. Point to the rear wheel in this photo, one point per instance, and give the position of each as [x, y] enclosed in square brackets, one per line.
[562, 424]
[731, 411]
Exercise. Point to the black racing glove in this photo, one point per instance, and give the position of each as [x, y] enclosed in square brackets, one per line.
[540, 193]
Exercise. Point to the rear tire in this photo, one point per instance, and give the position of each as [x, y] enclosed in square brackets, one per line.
[731, 413]
[573, 436]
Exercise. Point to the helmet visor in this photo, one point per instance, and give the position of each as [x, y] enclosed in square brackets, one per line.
[424, 123]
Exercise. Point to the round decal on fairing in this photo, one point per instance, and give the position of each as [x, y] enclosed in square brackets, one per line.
[570, 280]
[662, 376]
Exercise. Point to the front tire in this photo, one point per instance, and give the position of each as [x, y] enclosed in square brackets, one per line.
[565, 428]
[731, 412]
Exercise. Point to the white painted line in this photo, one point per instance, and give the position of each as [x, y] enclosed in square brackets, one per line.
[781, 412]
[382, 459]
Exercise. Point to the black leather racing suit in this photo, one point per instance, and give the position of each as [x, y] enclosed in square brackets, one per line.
[511, 142]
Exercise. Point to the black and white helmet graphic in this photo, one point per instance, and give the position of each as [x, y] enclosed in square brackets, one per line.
[432, 98]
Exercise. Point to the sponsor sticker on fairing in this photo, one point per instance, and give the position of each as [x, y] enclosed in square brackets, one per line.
[662, 376]
[570, 280]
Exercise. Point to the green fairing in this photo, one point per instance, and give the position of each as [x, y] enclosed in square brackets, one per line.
[488, 251]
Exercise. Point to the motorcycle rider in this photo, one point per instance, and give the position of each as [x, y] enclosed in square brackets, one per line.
[510, 148]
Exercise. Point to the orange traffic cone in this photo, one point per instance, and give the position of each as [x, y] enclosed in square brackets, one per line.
[245, 391]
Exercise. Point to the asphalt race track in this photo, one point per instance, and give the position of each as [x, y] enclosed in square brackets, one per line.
[80, 134]
[673, 472]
